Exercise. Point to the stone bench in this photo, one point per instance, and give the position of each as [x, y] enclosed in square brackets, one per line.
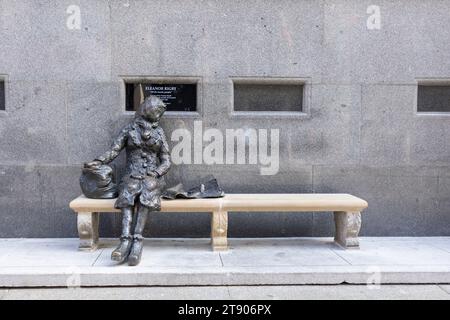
[347, 213]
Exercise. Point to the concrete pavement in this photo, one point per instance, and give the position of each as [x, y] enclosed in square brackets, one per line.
[249, 262]
[322, 292]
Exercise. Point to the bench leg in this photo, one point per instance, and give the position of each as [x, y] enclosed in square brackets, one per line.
[348, 225]
[88, 230]
[219, 230]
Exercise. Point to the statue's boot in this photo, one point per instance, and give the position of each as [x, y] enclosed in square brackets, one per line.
[120, 254]
[136, 250]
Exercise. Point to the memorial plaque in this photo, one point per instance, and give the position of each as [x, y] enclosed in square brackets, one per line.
[177, 97]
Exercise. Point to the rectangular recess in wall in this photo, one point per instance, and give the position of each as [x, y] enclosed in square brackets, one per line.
[433, 97]
[178, 96]
[268, 95]
[2, 95]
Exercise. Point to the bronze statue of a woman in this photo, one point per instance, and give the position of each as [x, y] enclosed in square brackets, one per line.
[148, 160]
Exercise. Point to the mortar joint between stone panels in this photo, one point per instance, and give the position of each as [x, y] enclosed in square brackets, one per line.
[360, 122]
[66, 102]
[440, 287]
[438, 183]
[221, 260]
[229, 292]
[345, 260]
[110, 41]
[98, 257]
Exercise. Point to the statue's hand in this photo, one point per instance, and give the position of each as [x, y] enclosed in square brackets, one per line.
[152, 174]
[93, 164]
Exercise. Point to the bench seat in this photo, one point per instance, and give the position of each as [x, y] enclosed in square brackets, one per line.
[346, 208]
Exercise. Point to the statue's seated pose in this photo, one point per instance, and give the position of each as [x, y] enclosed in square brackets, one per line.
[148, 159]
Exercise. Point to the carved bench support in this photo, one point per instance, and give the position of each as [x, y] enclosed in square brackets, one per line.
[219, 230]
[88, 230]
[348, 225]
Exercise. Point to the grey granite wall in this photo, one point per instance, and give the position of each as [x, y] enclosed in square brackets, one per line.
[64, 102]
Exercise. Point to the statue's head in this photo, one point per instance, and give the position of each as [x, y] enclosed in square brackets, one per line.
[151, 109]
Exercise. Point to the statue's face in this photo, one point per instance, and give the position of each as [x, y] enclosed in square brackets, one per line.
[152, 108]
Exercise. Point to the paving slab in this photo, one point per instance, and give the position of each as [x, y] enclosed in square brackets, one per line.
[443, 244]
[288, 292]
[340, 292]
[191, 262]
[445, 287]
[3, 293]
[291, 252]
[141, 293]
[395, 253]
[169, 253]
[44, 252]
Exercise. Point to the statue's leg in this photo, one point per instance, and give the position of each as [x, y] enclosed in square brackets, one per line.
[122, 251]
[138, 240]
[149, 200]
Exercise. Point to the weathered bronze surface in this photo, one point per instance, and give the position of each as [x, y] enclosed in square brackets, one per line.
[148, 160]
[98, 182]
[209, 189]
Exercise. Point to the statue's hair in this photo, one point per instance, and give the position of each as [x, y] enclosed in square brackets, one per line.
[149, 103]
